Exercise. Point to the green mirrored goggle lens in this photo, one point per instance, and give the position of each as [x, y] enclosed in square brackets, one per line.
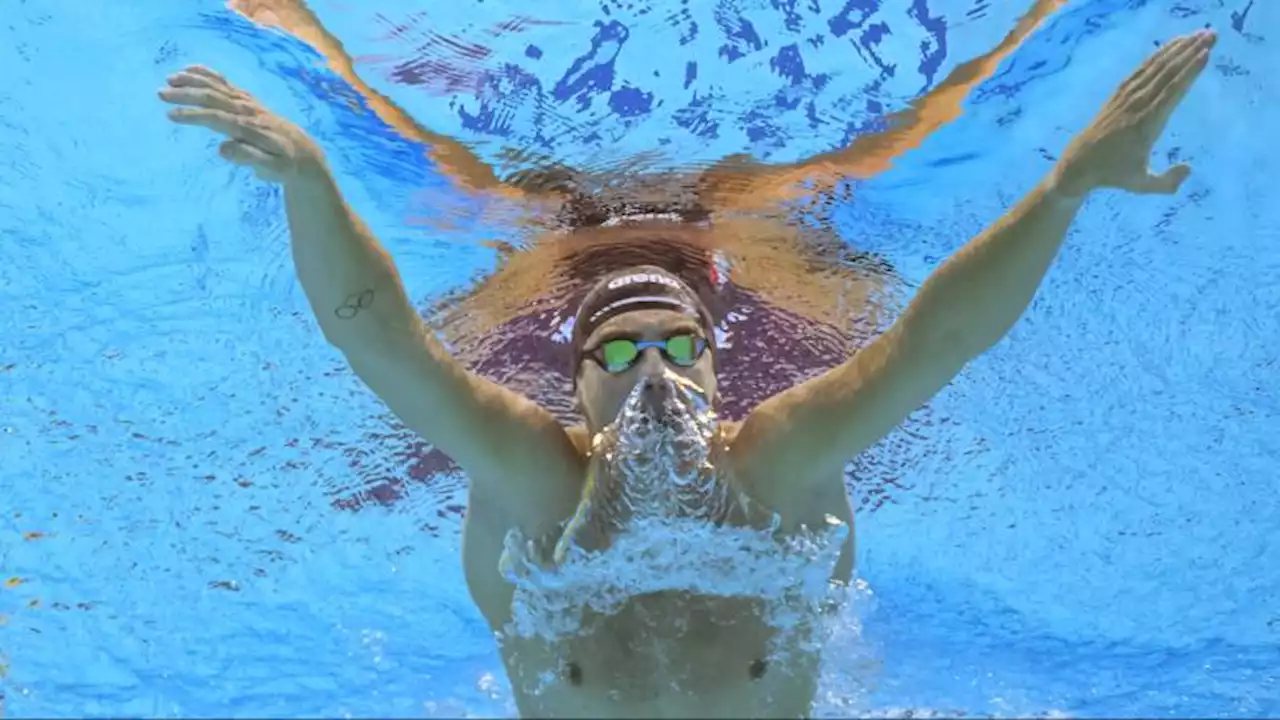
[619, 354]
[682, 349]
[622, 353]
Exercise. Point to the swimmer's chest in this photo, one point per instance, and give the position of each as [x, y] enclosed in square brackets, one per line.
[657, 649]
[665, 656]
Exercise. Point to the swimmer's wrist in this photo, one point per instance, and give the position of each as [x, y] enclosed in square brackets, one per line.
[309, 170]
[1055, 190]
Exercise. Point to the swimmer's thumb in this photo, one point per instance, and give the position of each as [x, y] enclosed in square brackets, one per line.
[266, 165]
[1165, 183]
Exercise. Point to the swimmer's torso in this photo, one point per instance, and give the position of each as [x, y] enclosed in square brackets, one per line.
[665, 654]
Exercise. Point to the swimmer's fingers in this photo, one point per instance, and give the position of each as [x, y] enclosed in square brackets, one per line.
[199, 75]
[209, 98]
[1149, 96]
[1172, 83]
[200, 87]
[186, 78]
[1141, 78]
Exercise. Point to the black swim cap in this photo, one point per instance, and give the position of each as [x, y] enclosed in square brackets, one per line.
[643, 287]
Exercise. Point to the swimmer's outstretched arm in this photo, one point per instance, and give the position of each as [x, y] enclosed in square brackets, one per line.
[738, 183]
[507, 443]
[967, 304]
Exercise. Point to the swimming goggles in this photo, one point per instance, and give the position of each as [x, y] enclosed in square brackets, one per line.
[620, 354]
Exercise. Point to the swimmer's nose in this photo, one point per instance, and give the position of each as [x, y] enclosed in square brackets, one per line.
[651, 366]
[656, 388]
[650, 383]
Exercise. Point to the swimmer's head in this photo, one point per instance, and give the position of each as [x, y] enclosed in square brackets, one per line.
[635, 326]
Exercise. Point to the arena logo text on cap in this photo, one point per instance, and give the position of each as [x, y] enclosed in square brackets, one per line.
[616, 283]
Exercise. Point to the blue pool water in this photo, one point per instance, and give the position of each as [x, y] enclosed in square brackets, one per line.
[1087, 526]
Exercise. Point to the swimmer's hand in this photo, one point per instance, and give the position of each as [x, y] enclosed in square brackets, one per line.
[276, 149]
[1113, 151]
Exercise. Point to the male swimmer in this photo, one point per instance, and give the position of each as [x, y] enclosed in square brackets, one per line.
[643, 338]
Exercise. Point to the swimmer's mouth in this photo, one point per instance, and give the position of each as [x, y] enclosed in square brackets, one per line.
[659, 416]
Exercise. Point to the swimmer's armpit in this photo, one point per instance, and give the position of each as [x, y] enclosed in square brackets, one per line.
[742, 184]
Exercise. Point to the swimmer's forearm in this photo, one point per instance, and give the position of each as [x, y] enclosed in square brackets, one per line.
[962, 309]
[977, 295]
[349, 279]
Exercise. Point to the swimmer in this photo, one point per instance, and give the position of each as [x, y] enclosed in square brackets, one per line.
[643, 332]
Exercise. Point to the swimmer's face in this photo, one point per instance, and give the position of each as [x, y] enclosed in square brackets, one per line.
[601, 394]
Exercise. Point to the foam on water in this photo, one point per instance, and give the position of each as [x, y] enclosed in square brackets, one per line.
[654, 461]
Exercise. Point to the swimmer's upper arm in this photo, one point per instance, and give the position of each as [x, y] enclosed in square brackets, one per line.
[805, 434]
[500, 438]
